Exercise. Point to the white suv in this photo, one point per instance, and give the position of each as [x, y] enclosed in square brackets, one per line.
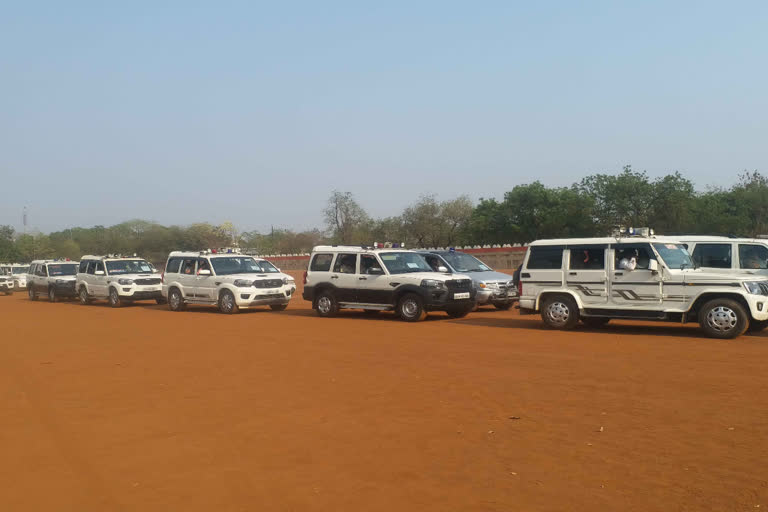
[357, 277]
[229, 280]
[16, 273]
[727, 255]
[6, 285]
[117, 279]
[53, 278]
[596, 279]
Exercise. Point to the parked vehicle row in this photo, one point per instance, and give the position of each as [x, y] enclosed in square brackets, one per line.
[719, 283]
[15, 273]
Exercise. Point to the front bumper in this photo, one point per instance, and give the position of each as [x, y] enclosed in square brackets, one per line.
[137, 292]
[441, 299]
[5, 286]
[65, 289]
[246, 297]
[758, 307]
[490, 296]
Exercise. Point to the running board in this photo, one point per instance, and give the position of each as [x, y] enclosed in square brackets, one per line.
[624, 314]
[359, 305]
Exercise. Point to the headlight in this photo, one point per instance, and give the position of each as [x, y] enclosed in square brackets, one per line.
[432, 283]
[755, 288]
[482, 285]
[125, 281]
[243, 283]
[288, 280]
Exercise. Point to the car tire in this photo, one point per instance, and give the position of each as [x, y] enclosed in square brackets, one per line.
[227, 304]
[503, 306]
[51, 294]
[756, 326]
[560, 312]
[595, 321]
[723, 319]
[410, 308]
[459, 312]
[114, 298]
[326, 305]
[175, 300]
[82, 294]
[31, 293]
[278, 307]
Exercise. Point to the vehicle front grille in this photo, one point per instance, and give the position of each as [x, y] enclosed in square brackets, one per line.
[764, 288]
[151, 280]
[459, 284]
[269, 296]
[268, 283]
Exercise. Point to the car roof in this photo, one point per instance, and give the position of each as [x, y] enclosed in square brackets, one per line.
[197, 254]
[357, 248]
[716, 238]
[111, 258]
[54, 261]
[602, 240]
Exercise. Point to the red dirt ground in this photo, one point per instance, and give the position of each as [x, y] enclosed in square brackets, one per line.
[142, 409]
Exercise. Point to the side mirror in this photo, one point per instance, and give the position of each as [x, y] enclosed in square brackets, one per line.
[653, 266]
[204, 272]
[442, 269]
[375, 271]
[99, 273]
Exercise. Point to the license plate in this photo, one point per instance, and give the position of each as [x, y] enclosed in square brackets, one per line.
[457, 296]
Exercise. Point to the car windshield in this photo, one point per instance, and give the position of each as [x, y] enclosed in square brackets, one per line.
[236, 265]
[20, 270]
[463, 262]
[267, 267]
[63, 269]
[129, 267]
[674, 255]
[404, 262]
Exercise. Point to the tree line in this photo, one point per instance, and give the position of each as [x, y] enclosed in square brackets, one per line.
[591, 207]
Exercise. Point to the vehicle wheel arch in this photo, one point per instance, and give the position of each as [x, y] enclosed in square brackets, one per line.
[409, 288]
[708, 296]
[545, 294]
[319, 289]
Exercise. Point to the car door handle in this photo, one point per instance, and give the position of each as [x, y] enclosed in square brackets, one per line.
[573, 273]
[363, 278]
[619, 274]
[334, 277]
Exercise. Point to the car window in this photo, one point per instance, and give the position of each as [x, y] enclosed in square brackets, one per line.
[91, 267]
[345, 263]
[188, 266]
[434, 261]
[588, 257]
[129, 267]
[712, 255]
[545, 257]
[41, 271]
[62, 269]
[83, 267]
[321, 263]
[32, 269]
[367, 262]
[99, 266]
[202, 264]
[641, 253]
[753, 256]
[172, 267]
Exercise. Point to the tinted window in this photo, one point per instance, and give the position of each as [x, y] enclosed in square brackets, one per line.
[100, 266]
[545, 257]
[753, 256]
[712, 255]
[172, 267]
[321, 263]
[62, 269]
[367, 262]
[345, 263]
[91, 267]
[588, 257]
[83, 267]
[128, 267]
[41, 271]
[31, 269]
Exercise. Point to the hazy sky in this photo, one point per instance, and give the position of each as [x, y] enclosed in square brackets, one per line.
[253, 112]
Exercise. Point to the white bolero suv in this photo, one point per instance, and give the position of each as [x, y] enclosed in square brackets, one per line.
[229, 280]
[117, 279]
[597, 279]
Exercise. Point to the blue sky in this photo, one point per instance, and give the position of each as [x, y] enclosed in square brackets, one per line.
[253, 112]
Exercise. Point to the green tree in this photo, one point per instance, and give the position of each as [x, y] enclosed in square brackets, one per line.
[345, 218]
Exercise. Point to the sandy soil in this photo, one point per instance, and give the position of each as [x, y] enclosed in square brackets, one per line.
[142, 409]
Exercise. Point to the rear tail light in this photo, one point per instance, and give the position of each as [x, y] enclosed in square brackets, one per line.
[519, 288]
[305, 277]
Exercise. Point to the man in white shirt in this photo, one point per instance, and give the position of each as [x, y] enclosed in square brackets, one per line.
[628, 261]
